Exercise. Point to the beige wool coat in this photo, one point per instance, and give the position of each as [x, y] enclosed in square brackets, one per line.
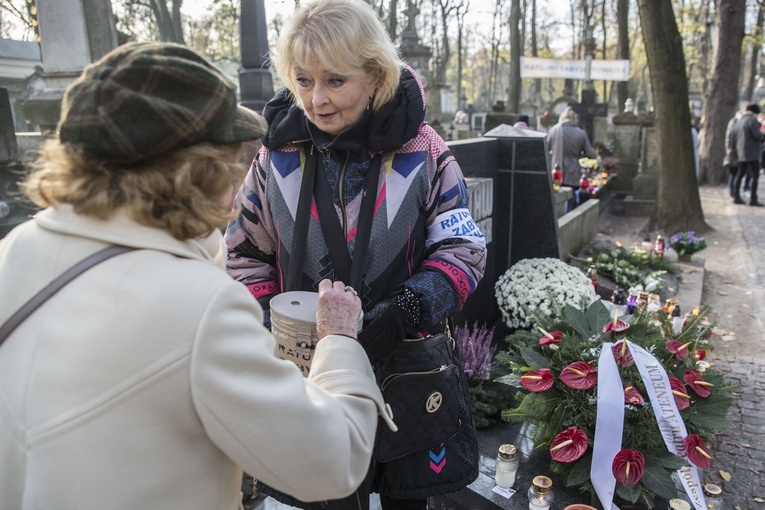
[149, 381]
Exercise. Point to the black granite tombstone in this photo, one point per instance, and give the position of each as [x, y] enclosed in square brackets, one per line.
[7, 129]
[525, 225]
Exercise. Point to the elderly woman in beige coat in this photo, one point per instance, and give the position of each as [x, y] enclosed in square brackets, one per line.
[149, 382]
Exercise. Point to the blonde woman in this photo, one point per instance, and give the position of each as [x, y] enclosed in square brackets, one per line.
[352, 185]
[149, 381]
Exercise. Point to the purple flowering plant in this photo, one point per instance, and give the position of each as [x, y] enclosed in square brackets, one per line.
[477, 352]
[687, 243]
[488, 398]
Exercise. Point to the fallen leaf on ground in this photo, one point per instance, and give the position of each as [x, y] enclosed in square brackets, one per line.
[759, 500]
[721, 293]
[719, 331]
[729, 337]
[725, 475]
[745, 305]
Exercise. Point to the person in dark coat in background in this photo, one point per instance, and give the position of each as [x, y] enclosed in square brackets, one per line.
[749, 149]
[568, 142]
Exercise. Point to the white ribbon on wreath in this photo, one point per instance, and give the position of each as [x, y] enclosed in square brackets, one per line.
[609, 423]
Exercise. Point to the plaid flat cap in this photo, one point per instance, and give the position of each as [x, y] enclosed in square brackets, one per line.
[143, 100]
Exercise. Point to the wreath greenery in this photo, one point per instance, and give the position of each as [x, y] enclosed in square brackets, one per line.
[540, 360]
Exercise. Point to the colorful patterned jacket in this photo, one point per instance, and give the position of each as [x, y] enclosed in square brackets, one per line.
[423, 236]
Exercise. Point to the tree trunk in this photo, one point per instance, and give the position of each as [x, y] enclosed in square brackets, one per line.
[622, 20]
[514, 99]
[446, 12]
[535, 52]
[177, 26]
[756, 49]
[392, 20]
[605, 46]
[722, 92]
[462, 10]
[678, 205]
[165, 24]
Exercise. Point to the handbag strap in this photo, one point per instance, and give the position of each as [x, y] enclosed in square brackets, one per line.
[348, 269]
[294, 278]
[46, 293]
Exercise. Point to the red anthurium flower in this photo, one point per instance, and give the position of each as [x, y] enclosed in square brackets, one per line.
[569, 445]
[622, 354]
[628, 467]
[632, 395]
[538, 380]
[699, 385]
[697, 451]
[682, 399]
[579, 375]
[679, 350]
[615, 325]
[553, 337]
[701, 354]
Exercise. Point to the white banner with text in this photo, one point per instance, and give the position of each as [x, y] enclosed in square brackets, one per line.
[612, 70]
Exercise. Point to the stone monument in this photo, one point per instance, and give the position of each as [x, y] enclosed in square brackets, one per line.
[646, 182]
[628, 130]
[418, 56]
[73, 33]
[255, 82]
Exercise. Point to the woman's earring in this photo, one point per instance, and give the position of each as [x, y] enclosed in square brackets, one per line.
[370, 102]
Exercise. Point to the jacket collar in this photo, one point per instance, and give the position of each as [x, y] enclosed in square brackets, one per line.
[119, 228]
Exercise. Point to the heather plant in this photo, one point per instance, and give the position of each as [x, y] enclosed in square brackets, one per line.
[488, 398]
[477, 352]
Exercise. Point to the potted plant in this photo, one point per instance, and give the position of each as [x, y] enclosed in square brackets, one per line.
[686, 244]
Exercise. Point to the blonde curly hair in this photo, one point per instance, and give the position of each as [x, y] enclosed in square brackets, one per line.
[180, 192]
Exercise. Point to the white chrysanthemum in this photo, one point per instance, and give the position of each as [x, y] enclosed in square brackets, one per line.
[541, 285]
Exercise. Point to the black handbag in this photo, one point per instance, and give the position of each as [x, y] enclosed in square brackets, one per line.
[431, 453]
[420, 381]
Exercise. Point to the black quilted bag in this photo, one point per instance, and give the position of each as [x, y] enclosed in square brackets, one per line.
[421, 385]
[435, 449]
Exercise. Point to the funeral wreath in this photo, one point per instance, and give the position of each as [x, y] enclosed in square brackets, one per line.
[569, 363]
